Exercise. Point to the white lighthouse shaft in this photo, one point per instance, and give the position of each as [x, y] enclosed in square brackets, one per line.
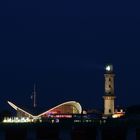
[109, 96]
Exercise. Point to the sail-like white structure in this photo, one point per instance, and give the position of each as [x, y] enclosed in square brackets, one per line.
[70, 107]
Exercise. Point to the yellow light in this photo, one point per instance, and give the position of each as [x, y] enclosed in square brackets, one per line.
[17, 120]
[118, 114]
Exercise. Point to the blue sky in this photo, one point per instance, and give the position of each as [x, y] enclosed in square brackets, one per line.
[64, 46]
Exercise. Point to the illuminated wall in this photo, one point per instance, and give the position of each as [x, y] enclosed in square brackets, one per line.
[64, 109]
[70, 107]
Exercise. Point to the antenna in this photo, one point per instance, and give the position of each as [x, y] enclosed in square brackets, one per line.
[34, 97]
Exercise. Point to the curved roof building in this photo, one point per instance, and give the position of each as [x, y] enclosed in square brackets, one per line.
[70, 107]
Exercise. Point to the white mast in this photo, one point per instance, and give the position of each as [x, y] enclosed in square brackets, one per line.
[34, 97]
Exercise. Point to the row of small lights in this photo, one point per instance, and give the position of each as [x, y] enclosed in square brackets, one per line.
[24, 120]
[89, 121]
[17, 120]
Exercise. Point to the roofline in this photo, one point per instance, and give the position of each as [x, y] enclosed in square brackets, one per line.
[18, 108]
[69, 102]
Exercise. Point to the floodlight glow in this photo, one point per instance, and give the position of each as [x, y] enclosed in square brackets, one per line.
[108, 68]
[17, 120]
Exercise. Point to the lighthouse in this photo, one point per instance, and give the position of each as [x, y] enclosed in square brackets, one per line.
[109, 96]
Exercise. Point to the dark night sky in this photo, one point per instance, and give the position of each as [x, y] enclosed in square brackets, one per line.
[63, 46]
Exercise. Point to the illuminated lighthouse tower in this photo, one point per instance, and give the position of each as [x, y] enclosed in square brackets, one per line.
[109, 96]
